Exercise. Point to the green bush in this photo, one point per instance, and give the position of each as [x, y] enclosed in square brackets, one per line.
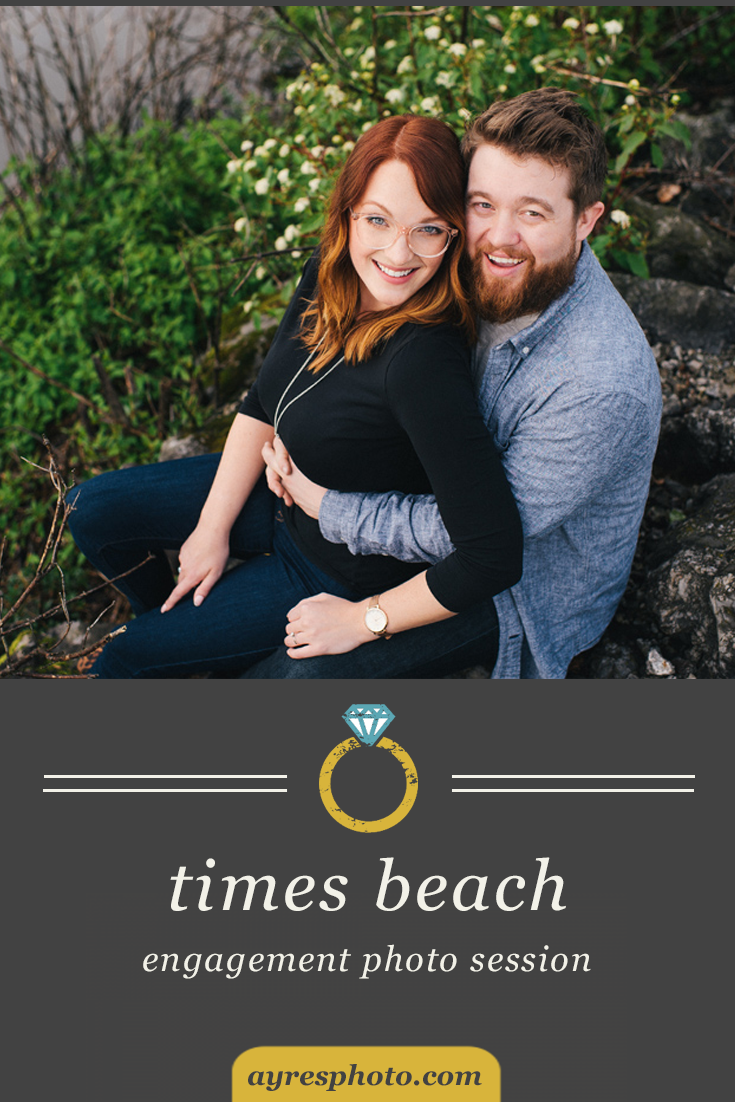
[114, 277]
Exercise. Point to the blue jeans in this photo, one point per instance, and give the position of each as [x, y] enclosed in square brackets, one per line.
[468, 639]
[120, 517]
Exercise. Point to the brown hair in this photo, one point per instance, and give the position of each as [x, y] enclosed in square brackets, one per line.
[430, 148]
[546, 123]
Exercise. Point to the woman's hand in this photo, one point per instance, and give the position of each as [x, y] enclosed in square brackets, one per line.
[325, 624]
[287, 482]
[202, 560]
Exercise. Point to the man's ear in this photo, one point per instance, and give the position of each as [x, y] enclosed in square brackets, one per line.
[587, 220]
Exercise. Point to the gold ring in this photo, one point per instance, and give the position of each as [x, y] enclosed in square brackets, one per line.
[368, 826]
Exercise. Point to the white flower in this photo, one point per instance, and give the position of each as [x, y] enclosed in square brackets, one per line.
[348, 147]
[502, 88]
[315, 184]
[290, 232]
[355, 25]
[464, 114]
[281, 244]
[245, 147]
[394, 95]
[368, 55]
[531, 21]
[429, 103]
[612, 27]
[241, 225]
[633, 84]
[365, 127]
[444, 79]
[307, 169]
[390, 44]
[301, 204]
[232, 166]
[284, 150]
[296, 253]
[405, 65]
[317, 150]
[509, 68]
[620, 218]
[261, 187]
[477, 43]
[570, 24]
[631, 101]
[249, 166]
[283, 176]
[432, 33]
[260, 151]
[298, 109]
[247, 306]
[334, 94]
[537, 64]
[592, 28]
[270, 143]
[300, 139]
[260, 272]
[457, 49]
[349, 51]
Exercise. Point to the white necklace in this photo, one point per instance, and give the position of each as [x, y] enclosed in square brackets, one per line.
[280, 411]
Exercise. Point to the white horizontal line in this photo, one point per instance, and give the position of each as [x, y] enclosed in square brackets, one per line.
[573, 776]
[165, 776]
[165, 790]
[572, 790]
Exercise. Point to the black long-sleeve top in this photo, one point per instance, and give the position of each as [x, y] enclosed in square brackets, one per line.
[404, 420]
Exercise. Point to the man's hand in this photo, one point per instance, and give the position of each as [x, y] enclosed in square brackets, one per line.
[287, 482]
[202, 560]
[325, 624]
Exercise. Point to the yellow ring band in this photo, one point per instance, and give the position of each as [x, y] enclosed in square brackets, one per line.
[368, 826]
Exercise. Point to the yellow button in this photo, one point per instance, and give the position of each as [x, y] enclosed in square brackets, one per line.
[437, 1072]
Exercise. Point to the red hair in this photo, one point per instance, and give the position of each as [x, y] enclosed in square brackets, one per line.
[430, 148]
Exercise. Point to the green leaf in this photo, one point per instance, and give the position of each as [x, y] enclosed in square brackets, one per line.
[630, 146]
[635, 262]
[656, 155]
[674, 128]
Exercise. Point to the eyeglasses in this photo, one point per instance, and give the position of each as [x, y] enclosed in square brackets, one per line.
[379, 231]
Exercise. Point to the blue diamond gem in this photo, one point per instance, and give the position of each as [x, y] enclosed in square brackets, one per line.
[368, 721]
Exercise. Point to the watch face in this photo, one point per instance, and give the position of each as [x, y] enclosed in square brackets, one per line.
[376, 620]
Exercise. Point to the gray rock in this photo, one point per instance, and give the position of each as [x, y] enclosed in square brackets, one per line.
[180, 448]
[657, 665]
[682, 247]
[712, 141]
[669, 310]
[698, 444]
[691, 586]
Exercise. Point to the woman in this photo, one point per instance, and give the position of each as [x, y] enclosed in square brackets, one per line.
[367, 382]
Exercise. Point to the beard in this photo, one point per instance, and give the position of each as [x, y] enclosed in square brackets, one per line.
[499, 300]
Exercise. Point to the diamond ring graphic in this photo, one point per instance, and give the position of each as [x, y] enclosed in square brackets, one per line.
[369, 722]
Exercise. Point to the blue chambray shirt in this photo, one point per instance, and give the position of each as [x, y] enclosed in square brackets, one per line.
[573, 403]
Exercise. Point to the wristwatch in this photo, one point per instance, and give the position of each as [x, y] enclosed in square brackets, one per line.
[376, 619]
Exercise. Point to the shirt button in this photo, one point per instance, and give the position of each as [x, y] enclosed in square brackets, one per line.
[526, 350]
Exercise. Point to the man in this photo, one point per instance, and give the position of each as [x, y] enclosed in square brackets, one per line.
[570, 392]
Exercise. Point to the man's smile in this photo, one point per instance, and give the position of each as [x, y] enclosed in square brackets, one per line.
[504, 265]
